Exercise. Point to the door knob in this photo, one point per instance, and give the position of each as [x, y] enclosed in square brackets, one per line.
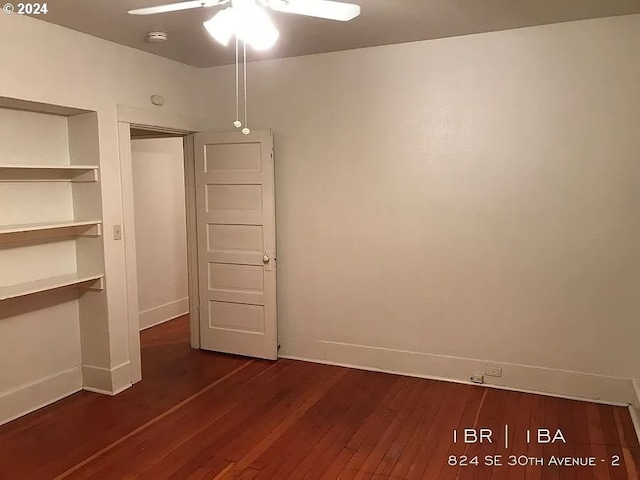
[265, 259]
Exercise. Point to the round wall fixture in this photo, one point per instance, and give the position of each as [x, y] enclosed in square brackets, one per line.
[156, 37]
[157, 100]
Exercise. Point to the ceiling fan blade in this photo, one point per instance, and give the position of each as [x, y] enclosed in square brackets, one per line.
[175, 7]
[318, 8]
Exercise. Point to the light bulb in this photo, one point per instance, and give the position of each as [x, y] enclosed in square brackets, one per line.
[256, 28]
[248, 21]
[246, 131]
[237, 124]
[253, 25]
[222, 26]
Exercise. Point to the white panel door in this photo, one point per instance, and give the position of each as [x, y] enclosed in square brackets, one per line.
[235, 203]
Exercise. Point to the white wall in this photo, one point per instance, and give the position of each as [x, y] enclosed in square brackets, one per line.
[50, 64]
[466, 198]
[161, 231]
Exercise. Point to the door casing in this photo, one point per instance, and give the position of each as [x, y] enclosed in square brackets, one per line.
[161, 122]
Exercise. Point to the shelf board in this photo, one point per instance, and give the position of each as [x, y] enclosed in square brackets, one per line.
[37, 107]
[53, 283]
[42, 227]
[48, 173]
[49, 167]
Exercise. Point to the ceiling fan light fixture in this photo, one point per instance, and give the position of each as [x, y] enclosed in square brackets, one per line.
[249, 22]
[222, 26]
[254, 26]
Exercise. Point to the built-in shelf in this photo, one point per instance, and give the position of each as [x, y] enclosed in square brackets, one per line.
[93, 282]
[48, 173]
[89, 227]
[52, 263]
[50, 167]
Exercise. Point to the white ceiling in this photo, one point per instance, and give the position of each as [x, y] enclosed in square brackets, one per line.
[382, 22]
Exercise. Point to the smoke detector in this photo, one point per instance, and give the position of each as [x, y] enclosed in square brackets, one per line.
[156, 37]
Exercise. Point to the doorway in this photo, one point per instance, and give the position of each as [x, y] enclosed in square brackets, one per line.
[230, 235]
[135, 127]
[157, 161]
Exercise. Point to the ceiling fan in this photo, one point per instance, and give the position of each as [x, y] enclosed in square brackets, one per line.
[249, 21]
[328, 9]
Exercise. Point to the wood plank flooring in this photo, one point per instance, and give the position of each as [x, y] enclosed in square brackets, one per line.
[200, 415]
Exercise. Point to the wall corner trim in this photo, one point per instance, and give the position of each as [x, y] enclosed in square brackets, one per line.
[104, 380]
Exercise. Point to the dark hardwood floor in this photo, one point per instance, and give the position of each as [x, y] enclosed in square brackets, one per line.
[199, 415]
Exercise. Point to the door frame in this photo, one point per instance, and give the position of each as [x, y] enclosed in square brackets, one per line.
[173, 124]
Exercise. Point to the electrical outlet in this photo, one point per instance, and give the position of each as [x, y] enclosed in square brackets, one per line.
[491, 371]
[477, 378]
[117, 232]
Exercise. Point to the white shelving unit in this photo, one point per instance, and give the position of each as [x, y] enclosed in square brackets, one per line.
[91, 282]
[49, 168]
[82, 168]
[50, 173]
[89, 227]
[53, 304]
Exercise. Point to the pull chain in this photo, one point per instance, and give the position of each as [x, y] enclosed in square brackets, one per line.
[237, 123]
[245, 130]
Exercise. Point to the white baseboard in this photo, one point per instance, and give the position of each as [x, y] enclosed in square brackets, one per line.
[561, 383]
[635, 418]
[106, 381]
[634, 410]
[163, 313]
[25, 399]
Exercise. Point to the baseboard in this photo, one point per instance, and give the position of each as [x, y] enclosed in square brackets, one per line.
[636, 386]
[163, 313]
[634, 410]
[27, 398]
[561, 383]
[106, 381]
[635, 418]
